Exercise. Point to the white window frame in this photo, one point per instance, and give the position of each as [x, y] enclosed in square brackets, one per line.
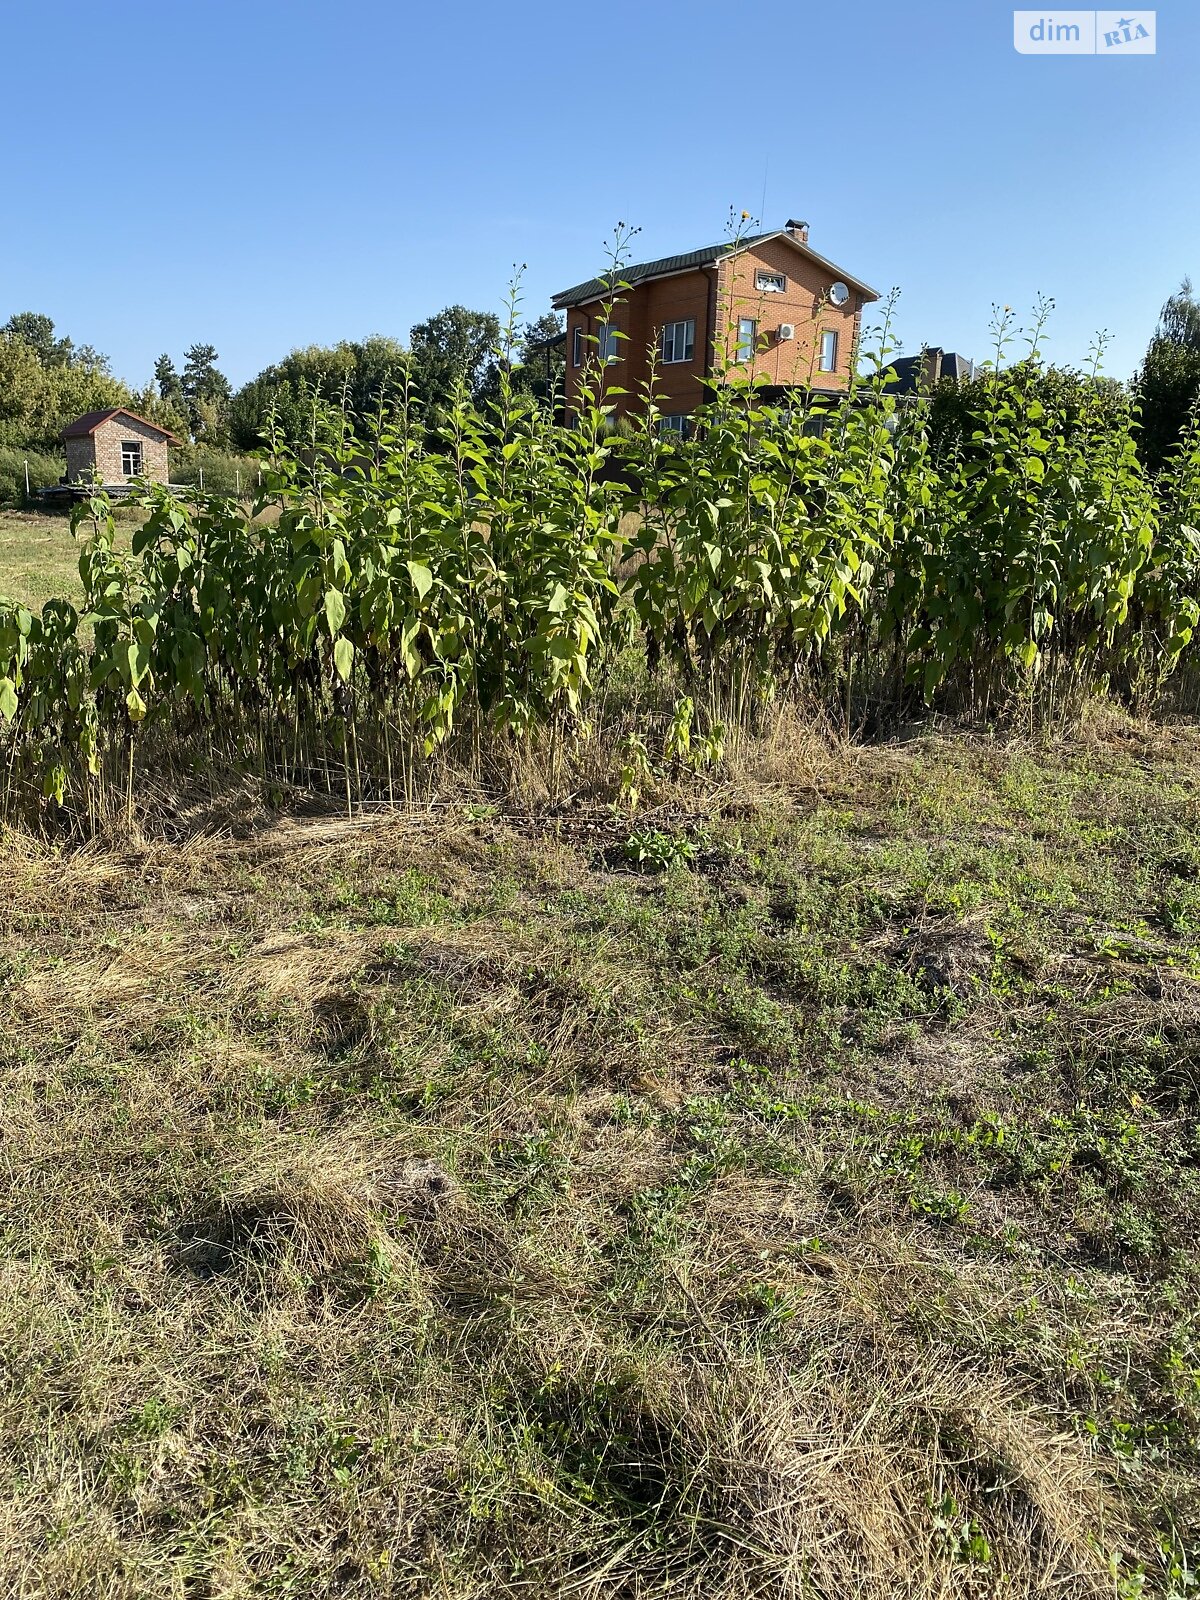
[609, 344]
[674, 347]
[829, 342]
[577, 345]
[131, 450]
[768, 282]
[746, 348]
[677, 422]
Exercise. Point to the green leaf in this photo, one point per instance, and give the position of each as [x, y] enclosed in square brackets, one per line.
[564, 648]
[408, 647]
[335, 611]
[421, 576]
[138, 659]
[343, 658]
[8, 699]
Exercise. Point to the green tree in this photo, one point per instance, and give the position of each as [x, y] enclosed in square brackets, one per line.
[22, 390]
[271, 393]
[88, 356]
[957, 407]
[1168, 380]
[37, 399]
[207, 393]
[457, 345]
[148, 403]
[542, 357]
[36, 330]
[362, 376]
[170, 385]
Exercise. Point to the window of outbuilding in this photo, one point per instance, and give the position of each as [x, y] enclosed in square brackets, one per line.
[131, 458]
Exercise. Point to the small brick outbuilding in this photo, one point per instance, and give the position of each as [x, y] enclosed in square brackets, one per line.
[115, 446]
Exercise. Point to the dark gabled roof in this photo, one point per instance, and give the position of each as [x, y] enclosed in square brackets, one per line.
[912, 371]
[83, 427]
[594, 288]
[642, 271]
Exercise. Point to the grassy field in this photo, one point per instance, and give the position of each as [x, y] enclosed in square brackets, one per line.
[453, 1205]
[39, 558]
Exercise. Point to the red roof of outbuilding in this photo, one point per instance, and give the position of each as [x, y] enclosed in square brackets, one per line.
[83, 427]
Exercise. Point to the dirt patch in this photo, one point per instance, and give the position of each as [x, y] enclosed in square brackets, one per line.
[419, 1188]
[951, 957]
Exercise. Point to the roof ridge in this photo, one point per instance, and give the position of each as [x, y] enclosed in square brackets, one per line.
[86, 424]
[635, 271]
[663, 266]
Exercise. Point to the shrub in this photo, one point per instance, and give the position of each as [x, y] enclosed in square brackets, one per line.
[44, 471]
[220, 472]
[473, 589]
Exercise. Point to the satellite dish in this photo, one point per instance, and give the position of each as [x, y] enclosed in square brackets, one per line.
[839, 294]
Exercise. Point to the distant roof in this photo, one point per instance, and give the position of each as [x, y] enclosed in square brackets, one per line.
[549, 344]
[708, 256]
[83, 427]
[912, 371]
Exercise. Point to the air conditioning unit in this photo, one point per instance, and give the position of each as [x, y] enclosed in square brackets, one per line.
[787, 330]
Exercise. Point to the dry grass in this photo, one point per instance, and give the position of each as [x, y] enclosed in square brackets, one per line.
[39, 559]
[39, 556]
[439, 1207]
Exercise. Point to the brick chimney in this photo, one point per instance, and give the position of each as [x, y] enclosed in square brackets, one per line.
[798, 230]
[931, 366]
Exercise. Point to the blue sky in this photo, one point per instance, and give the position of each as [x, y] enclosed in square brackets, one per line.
[263, 175]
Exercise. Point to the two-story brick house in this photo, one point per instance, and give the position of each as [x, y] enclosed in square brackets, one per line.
[766, 307]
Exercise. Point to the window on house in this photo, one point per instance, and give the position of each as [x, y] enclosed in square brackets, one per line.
[747, 339]
[610, 344]
[577, 346]
[677, 422]
[829, 341]
[770, 282]
[131, 458]
[679, 341]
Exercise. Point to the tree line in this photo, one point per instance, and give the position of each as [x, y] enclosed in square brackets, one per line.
[46, 380]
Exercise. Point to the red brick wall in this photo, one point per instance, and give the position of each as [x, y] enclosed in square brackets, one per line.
[805, 304]
[640, 313]
[102, 452]
[81, 458]
[690, 296]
